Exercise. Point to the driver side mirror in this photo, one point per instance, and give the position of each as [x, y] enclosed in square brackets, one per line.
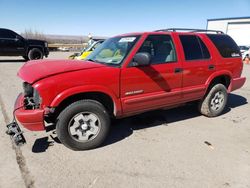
[141, 59]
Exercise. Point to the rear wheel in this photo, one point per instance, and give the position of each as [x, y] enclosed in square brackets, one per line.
[83, 125]
[35, 53]
[214, 102]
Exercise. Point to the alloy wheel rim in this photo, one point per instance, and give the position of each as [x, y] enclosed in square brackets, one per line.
[217, 101]
[84, 126]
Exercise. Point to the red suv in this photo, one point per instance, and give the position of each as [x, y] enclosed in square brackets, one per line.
[127, 75]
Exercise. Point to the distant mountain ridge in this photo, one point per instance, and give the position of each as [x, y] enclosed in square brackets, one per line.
[72, 37]
[65, 39]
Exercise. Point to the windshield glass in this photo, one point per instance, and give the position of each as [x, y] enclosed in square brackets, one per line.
[113, 50]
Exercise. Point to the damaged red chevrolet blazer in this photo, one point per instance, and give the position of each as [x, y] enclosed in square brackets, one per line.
[124, 76]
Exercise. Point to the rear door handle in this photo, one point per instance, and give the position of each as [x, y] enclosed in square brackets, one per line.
[211, 67]
[178, 70]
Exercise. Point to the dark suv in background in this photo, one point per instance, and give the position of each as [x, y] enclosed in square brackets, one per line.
[12, 44]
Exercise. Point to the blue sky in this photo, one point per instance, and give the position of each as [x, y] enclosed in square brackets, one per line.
[111, 17]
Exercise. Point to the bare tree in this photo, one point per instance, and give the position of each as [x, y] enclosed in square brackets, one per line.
[29, 33]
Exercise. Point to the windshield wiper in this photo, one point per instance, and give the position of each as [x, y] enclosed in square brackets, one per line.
[90, 60]
[96, 61]
[111, 63]
[104, 63]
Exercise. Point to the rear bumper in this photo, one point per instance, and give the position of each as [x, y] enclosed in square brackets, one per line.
[236, 83]
[30, 119]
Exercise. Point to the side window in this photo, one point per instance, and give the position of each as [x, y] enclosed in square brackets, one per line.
[160, 47]
[7, 34]
[194, 48]
[225, 45]
[205, 52]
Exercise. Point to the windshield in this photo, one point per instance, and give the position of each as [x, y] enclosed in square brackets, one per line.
[113, 50]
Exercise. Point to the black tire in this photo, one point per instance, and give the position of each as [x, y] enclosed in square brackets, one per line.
[26, 58]
[80, 107]
[35, 53]
[209, 105]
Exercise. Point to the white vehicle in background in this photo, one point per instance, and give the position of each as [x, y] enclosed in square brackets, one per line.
[63, 49]
[245, 51]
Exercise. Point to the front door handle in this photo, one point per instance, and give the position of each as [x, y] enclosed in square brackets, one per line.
[211, 67]
[178, 70]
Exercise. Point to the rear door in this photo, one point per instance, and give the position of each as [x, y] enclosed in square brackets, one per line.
[156, 85]
[198, 65]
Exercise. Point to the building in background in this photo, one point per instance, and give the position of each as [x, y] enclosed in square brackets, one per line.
[237, 28]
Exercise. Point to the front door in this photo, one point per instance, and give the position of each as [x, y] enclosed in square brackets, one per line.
[157, 85]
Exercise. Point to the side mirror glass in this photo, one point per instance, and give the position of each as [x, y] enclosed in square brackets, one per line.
[141, 59]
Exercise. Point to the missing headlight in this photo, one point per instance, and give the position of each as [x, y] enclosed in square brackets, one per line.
[28, 89]
[32, 98]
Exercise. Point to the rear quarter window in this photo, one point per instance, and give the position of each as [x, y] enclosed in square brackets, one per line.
[225, 45]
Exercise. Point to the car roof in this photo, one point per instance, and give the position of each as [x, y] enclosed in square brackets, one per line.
[5, 29]
[139, 33]
[169, 32]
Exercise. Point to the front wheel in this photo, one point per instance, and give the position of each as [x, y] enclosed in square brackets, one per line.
[83, 125]
[214, 102]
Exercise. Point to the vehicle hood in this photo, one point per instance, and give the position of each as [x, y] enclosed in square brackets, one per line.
[39, 69]
[35, 42]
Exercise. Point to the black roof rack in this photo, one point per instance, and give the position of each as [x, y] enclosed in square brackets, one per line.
[189, 30]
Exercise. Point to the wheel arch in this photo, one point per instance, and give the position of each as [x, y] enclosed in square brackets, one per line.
[223, 77]
[105, 97]
[35, 46]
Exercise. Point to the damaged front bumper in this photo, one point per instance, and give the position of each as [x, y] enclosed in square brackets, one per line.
[31, 119]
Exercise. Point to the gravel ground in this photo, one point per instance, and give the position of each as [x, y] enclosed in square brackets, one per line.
[165, 148]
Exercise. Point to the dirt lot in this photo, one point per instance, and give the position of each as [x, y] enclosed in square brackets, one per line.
[156, 149]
